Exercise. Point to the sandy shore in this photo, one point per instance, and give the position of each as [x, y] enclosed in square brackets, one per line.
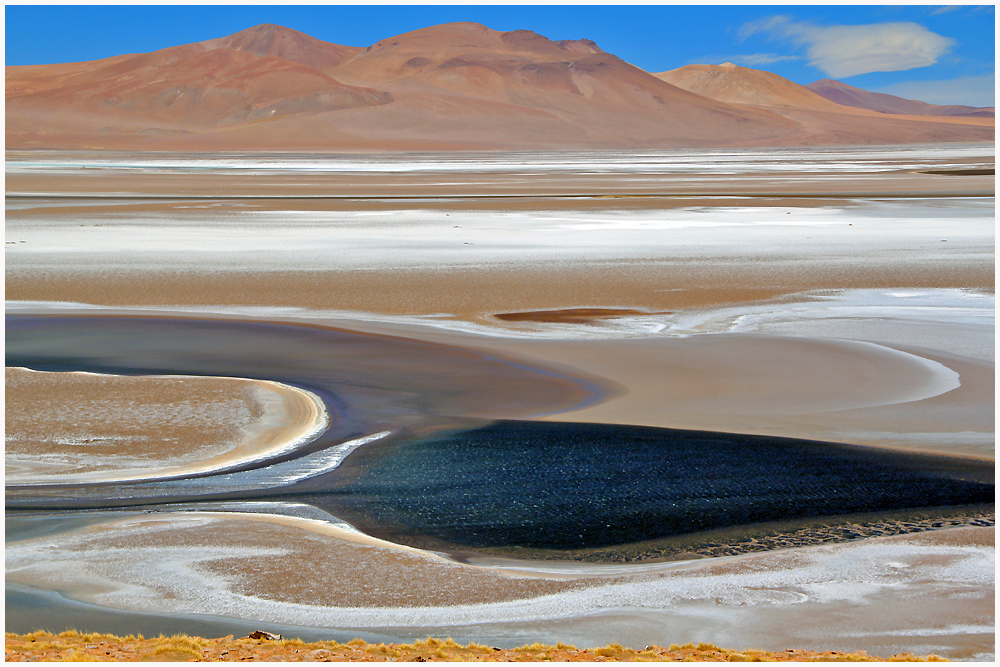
[876, 171]
[927, 592]
[67, 428]
[894, 393]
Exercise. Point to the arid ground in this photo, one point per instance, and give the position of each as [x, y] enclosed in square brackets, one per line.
[841, 295]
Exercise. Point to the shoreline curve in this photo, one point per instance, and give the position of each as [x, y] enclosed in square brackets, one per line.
[290, 417]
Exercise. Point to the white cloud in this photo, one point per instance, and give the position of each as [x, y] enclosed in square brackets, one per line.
[847, 50]
[770, 24]
[974, 91]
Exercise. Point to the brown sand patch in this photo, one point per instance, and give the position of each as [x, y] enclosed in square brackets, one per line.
[42, 207]
[74, 427]
[766, 385]
[961, 172]
[571, 315]
[896, 179]
[289, 560]
[469, 292]
[335, 572]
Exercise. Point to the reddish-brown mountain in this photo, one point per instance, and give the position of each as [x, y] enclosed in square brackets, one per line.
[180, 90]
[453, 86]
[851, 96]
[741, 85]
[823, 120]
[288, 44]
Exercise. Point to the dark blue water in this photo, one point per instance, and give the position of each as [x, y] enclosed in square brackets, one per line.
[550, 485]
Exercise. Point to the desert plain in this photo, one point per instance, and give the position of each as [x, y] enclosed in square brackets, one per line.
[206, 350]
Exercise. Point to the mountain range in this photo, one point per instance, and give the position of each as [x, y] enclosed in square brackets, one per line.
[451, 86]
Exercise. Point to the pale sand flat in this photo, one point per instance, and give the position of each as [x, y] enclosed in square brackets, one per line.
[822, 389]
[469, 264]
[814, 388]
[86, 427]
[894, 591]
[792, 387]
[843, 173]
[474, 292]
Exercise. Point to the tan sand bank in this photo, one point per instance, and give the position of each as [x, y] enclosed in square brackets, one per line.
[85, 427]
[885, 395]
[475, 293]
[909, 591]
[71, 645]
[504, 178]
[794, 387]
[494, 232]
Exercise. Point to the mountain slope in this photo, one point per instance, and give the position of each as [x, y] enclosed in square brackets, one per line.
[520, 87]
[822, 121]
[851, 96]
[179, 89]
[291, 45]
[452, 86]
[741, 85]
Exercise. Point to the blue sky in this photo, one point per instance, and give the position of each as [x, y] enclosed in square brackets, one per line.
[941, 54]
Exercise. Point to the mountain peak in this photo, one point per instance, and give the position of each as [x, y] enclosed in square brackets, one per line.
[733, 84]
[530, 41]
[263, 33]
[268, 39]
[442, 35]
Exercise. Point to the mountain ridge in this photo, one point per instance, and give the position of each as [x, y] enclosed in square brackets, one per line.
[449, 86]
[848, 95]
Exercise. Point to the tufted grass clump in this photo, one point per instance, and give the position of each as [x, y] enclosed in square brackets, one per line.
[533, 648]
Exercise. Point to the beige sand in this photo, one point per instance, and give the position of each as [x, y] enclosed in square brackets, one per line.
[892, 177]
[475, 293]
[290, 570]
[468, 270]
[84, 427]
[802, 387]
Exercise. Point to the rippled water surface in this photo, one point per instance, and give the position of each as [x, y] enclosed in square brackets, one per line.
[545, 485]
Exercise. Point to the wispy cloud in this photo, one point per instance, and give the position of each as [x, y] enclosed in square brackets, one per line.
[975, 91]
[848, 50]
[759, 59]
[945, 9]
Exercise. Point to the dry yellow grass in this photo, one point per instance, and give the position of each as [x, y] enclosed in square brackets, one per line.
[72, 646]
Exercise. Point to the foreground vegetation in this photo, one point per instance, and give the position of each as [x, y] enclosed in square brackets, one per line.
[72, 646]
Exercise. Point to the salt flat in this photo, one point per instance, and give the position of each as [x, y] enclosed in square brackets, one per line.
[837, 294]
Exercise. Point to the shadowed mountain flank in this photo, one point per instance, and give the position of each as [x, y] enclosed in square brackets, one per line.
[823, 120]
[851, 96]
